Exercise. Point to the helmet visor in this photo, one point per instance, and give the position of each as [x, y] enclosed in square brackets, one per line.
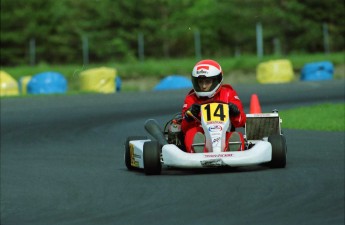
[206, 84]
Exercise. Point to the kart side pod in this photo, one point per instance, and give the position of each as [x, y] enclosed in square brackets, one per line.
[152, 127]
[267, 126]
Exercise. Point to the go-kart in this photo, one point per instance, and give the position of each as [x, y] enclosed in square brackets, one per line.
[264, 143]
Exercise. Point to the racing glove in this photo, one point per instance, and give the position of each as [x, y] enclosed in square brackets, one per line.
[233, 110]
[195, 110]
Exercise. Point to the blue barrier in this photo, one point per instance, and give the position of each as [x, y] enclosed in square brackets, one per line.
[173, 82]
[47, 83]
[317, 71]
[118, 83]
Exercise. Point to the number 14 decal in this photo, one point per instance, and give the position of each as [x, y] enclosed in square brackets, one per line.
[215, 112]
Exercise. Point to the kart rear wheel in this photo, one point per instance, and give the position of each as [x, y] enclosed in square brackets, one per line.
[152, 158]
[128, 155]
[279, 150]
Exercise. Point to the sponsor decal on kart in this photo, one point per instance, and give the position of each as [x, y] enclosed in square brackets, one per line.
[135, 163]
[216, 141]
[215, 128]
[133, 155]
[212, 163]
[137, 156]
[214, 122]
[263, 115]
[220, 155]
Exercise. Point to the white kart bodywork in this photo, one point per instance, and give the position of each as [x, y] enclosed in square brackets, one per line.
[172, 156]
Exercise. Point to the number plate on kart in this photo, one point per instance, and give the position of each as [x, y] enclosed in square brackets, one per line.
[215, 112]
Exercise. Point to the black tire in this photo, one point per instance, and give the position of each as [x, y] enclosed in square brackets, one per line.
[279, 150]
[152, 158]
[127, 151]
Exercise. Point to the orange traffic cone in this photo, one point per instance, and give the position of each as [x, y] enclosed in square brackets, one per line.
[254, 104]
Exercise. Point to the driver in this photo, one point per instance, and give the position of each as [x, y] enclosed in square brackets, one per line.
[207, 78]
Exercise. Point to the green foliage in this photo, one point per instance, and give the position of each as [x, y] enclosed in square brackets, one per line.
[326, 117]
[112, 28]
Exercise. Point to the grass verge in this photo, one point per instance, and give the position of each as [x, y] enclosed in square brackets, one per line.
[322, 117]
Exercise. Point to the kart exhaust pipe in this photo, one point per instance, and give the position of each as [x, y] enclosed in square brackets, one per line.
[153, 128]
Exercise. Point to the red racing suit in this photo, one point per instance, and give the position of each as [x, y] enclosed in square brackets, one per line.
[225, 94]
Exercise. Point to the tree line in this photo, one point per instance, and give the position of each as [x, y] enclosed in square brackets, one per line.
[60, 31]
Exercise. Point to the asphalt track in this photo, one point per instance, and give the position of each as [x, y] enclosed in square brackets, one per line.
[62, 163]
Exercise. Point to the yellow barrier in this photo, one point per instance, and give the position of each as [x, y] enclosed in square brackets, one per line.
[98, 79]
[9, 85]
[24, 84]
[275, 71]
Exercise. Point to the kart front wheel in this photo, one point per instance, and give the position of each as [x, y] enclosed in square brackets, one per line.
[152, 158]
[279, 150]
[129, 153]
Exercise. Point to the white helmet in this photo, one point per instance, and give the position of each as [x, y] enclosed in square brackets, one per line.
[207, 69]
